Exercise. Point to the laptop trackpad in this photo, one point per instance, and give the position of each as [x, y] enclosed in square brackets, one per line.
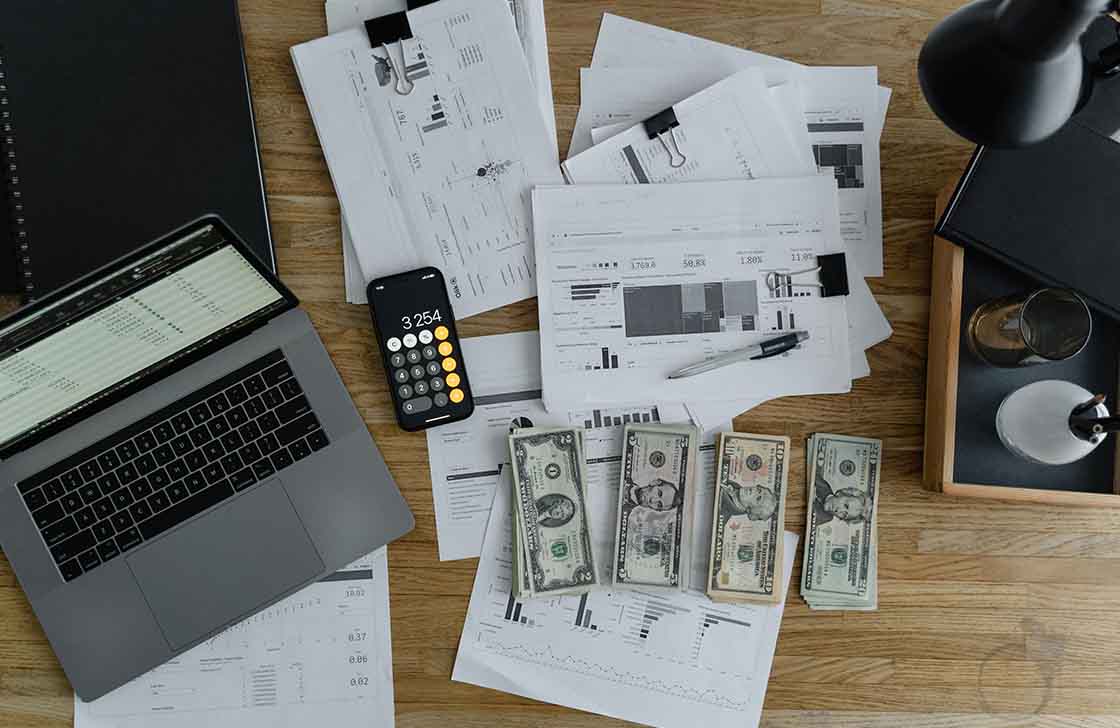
[226, 565]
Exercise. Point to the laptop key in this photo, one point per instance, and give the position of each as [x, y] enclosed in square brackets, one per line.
[72, 546]
[108, 482]
[159, 501]
[145, 464]
[164, 454]
[182, 423]
[177, 492]
[103, 508]
[127, 451]
[164, 432]
[35, 499]
[89, 493]
[242, 479]
[72, 480]
[263, 468]
[71, 502]
[182, 445]
[200, 436]
[122, 498]
[71, 570]
[109, 461]
[299, 449]
[130, 539]
[54, 489]
[254, 385]
[108, 551]
[195, 460]
[122, 521]
[200, 413]
[48, 514]
[59, 531]
[188, 508]
[85, 517]
[195, 482]
[140, 510]
[90, 470]
[296, 430]
[281, 459]
[146, 442]
[128, 473]
[103, 531]
[318, 440]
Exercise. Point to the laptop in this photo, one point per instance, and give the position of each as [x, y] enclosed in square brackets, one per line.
[177, 452]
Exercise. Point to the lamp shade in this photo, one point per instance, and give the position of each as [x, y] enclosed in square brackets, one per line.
[1007, 73]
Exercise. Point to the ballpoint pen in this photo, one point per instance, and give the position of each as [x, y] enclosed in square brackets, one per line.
[761, 350]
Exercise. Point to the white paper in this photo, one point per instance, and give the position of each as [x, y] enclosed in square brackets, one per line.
[690, 261]
[528, 15]
[467, 459]
[730, 130]
[661, 659]
[842, 110]
[439, 176]
[321, 657]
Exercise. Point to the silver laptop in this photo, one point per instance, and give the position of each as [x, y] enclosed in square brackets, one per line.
[177, 452]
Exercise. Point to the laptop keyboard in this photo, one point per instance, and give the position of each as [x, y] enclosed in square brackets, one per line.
[172, 465]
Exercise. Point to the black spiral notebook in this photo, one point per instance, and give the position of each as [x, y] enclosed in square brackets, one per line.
[119, 121]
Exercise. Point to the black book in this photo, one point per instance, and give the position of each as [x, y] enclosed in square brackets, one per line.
[122, 120]
[1053, 210]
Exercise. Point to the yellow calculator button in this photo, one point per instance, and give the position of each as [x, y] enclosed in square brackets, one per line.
[445, 348]
[449, 364]
[452, 380]
[456, 395]
[442, 333]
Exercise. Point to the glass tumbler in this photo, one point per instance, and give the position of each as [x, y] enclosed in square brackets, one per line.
[1047, 325]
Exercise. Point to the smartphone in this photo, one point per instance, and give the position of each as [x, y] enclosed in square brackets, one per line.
[415, 331]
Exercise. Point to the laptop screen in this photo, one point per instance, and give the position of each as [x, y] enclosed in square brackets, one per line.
[126, 325]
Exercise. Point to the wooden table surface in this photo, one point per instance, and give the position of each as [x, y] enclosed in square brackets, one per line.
[989, 615]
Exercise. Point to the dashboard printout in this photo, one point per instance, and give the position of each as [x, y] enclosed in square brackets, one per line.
[842, 107]
[447, 168]
[323, 656]
[670, 659]
[469, 459]
[637, 281]
[528, 16]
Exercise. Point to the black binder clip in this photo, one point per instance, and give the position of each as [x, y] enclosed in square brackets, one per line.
[657, 126]
[394, 29]
[832, 278]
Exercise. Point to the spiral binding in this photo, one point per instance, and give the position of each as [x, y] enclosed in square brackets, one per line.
[9, 175]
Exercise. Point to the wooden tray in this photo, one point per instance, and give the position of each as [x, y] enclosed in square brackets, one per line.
[963, 455]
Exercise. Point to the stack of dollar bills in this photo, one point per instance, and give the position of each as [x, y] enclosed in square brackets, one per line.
[657, 490]
[752, 481]
[840, 567]
[551, 532]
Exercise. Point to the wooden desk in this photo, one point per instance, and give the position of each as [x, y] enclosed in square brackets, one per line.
[989, 614]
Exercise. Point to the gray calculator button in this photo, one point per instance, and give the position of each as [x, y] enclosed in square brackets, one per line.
[416, 406]
[397, 360]
[401, 375]
[433, 368]
[437, 384]
[413, 356]
[405, 391]
[421, 387]
[417, 372]
[441, 399]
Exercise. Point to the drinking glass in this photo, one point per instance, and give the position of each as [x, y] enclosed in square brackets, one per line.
[1047, 325]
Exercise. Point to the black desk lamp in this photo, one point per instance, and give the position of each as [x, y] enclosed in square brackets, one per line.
[1008, 73]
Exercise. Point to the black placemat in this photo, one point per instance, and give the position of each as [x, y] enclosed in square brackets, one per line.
[980, 457]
